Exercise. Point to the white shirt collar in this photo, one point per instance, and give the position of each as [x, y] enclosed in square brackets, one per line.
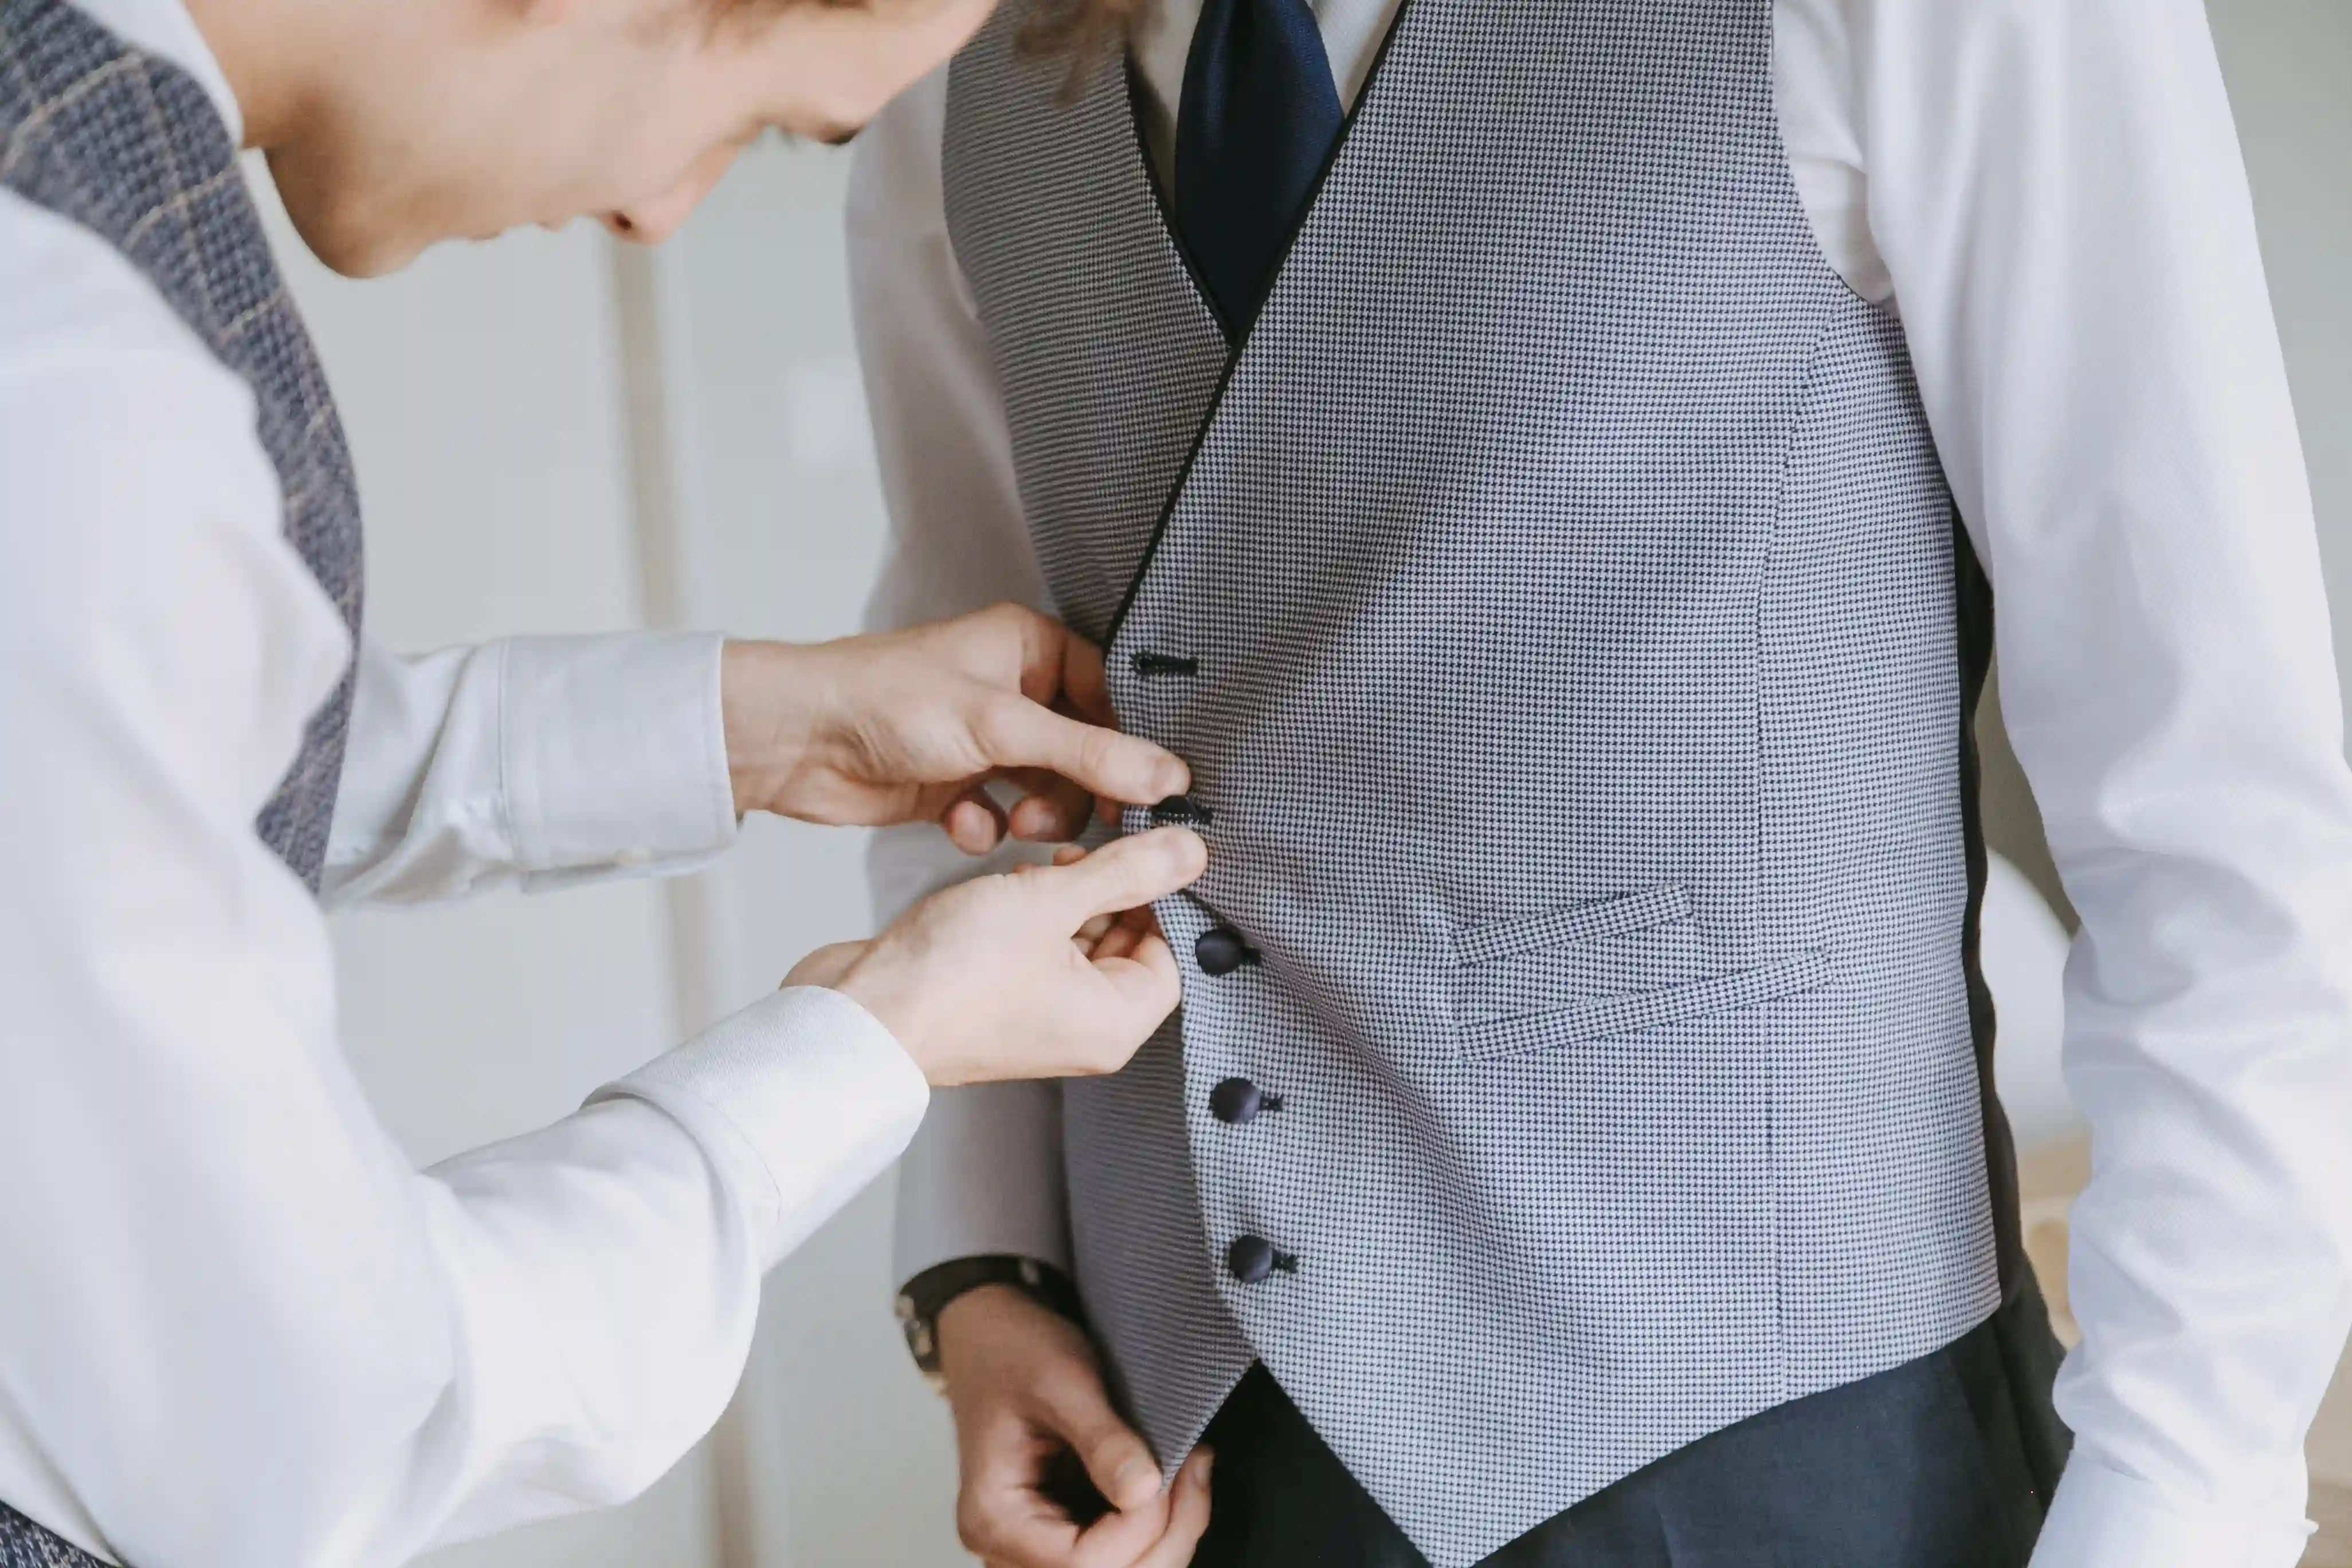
[164, 29]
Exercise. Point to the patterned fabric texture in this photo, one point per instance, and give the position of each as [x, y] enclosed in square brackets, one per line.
[130, 148]
[1575, 707]
[24, 1545]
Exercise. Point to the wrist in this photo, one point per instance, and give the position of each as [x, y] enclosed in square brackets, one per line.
[768, 704]
[965, 1296]
[874, 983]
[989, 1300]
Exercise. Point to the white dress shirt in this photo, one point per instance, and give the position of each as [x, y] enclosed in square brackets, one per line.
[2051, 194]
[237, 1329]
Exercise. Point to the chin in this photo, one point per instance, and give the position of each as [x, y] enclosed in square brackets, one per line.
[346, 230]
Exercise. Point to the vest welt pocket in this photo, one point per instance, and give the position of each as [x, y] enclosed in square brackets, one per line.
[1624, 1013]
[1621, 915]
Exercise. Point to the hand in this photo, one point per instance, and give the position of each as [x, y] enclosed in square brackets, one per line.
[1025, 1389]
[911, 726]
[1043, 972]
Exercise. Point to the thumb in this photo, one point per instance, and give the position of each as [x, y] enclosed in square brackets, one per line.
[1117, 1459]
[1125, 874]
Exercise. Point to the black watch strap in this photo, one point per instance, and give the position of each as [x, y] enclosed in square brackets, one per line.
[926, 1295]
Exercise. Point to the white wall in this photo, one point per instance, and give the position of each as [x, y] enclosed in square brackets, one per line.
[794, 522]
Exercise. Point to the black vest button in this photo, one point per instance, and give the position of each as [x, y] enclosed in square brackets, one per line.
[1235, 1101]
[1251, 1257]
[1181, 811]
[1220, 950]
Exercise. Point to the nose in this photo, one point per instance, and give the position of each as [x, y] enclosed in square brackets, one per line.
[648, 223]
[655, 219]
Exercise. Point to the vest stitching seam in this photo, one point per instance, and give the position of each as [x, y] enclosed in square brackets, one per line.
[1782, 474]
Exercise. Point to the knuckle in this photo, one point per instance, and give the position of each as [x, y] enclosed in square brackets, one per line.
[1072, 1391]
[995, 722]
[973, 1528]
[1099, 749]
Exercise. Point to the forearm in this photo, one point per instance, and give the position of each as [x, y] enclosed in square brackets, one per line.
[335, 1358]
[532, 762]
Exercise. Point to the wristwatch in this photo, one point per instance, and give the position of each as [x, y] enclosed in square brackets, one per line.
[926, 1295]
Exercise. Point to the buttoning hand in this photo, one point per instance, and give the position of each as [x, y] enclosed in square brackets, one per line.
[912, 726]
[1027, 1393]
[1049, 972]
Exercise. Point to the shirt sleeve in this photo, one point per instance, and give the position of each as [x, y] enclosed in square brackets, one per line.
[237, 1327]
[2057, 189]
[535, 763]
[985, 1173]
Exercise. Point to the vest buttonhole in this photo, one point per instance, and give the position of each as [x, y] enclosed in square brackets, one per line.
[1152, 666]
[1182, 810]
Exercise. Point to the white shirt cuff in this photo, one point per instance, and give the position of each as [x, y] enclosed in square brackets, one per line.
[614, 750]
[800, 1099]
[2102, 1518]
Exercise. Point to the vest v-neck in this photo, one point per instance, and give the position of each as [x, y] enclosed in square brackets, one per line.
[1148, 168]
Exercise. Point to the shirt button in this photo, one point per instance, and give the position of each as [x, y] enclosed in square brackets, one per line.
[1220, 951]
[1251, 1257]
[1236, 1101]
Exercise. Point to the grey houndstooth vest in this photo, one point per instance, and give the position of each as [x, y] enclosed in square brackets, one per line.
[130, 148]
[1559, 601]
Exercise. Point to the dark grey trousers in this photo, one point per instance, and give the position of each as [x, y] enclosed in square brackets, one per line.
[1944, 1462]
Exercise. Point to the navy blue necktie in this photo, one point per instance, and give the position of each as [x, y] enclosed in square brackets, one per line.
[1257, 119]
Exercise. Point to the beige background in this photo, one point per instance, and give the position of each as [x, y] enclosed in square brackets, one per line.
[549, 440]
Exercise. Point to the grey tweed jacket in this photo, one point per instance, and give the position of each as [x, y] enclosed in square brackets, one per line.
[1556, 594]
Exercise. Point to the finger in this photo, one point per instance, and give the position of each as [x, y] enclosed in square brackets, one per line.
[973, 823]
[1124, 874]
[1145, 980]
[1127, 933]
[1188, 1516]
[1014, 733]
[1030, 1534]
[1084, 685]
[1078, 1409]
[1054, 811]
[1120, 1539]
[1119, 940]
[1000, 1513]
[1069, 854]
